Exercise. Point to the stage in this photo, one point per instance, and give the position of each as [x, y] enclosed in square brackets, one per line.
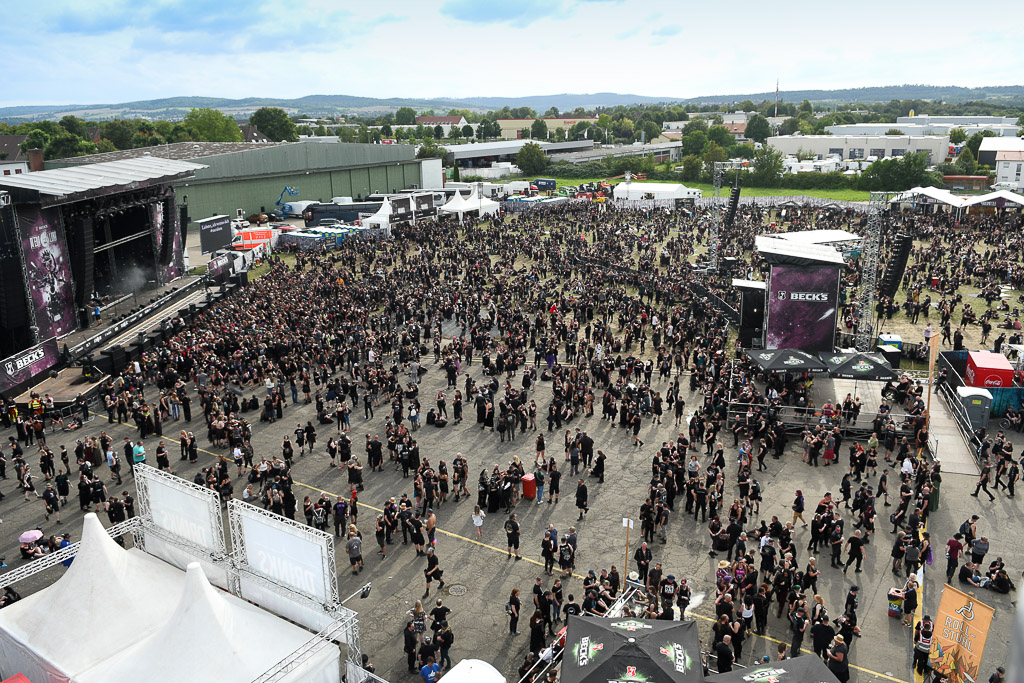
[63, 388]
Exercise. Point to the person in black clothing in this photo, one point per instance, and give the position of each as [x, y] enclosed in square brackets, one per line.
[723, 653]
[821, 636]
[512, 533]
[411, 641]
[855, 545]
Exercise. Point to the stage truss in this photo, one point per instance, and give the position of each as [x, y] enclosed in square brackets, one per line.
[870, 251]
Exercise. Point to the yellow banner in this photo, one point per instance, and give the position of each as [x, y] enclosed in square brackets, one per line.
[961, 627]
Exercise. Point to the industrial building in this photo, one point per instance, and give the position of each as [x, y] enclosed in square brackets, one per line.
[991, 147]
[483, 154]
[662, 152]
[251, 176]
[852, 147]
[917, 129]
[511, 128]
[958, 121]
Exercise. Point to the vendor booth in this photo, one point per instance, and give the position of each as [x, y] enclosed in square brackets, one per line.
[988, 369]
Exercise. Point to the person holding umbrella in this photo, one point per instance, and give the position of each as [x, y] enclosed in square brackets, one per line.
[29, 549]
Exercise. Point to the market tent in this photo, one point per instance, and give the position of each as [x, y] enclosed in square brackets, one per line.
[786, 360]
[107, 598]
[214, 636]
[457, 205]
[929, 195]
[869, 367]
[480, 204]
[653, 651]
[999, 198]
[473, 671]
[380, 220]
[635, 191]
[804, 669]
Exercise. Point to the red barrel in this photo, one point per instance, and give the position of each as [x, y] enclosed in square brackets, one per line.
[529, 486]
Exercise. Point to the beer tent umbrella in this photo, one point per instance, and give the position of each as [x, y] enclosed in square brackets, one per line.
[631, 650]
[786, 360]
[869, 367]
[804, 669]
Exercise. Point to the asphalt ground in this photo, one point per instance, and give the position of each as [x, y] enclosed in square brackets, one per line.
[483, 569]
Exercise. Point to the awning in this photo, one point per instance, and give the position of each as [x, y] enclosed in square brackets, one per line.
[786, 360]
[870, 367]
[652, 651]
[805, 669]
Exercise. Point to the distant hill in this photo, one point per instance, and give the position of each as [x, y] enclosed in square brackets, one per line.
[177, 107]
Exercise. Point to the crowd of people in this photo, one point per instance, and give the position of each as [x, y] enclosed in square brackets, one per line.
[601, 306]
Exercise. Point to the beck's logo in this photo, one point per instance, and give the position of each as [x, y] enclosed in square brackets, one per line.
[15, 365]
[803, 296]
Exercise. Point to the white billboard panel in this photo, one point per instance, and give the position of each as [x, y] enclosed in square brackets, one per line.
[183, 509]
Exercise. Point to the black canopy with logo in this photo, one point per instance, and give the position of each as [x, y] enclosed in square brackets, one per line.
[631, 650]
[870, 367]
[786, 360]
[805, 669]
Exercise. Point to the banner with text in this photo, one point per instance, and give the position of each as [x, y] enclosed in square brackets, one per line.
[961, 627]
[802, 306]
[21, 367]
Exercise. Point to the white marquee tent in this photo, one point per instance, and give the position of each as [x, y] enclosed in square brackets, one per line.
[636, 191]
[473, 671]
[457, 205]
[115, 610]
[480, 204]
[929, 195]
[1000, 197]
[106, 599]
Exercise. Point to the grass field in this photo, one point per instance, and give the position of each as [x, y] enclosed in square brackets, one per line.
[838, 195]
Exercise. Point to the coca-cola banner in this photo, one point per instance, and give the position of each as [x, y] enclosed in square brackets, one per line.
[23, 366]
[49, 272]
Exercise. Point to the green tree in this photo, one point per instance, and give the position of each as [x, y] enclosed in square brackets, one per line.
[651, 130]
[385, 130]
[438, 132]
[966, 162]
[405, 116]
[714, 153]
[275, 124]
[531, 159]
[467, 131]
[320, 131]
[304, 130]
[119, 132]
[695, 125]
[431, 150]
[539, 129]
[213, 126]
[974, 142]
[957, 136]
[105, 145]
[767, 167]
[720, 136]
[37, 139]
[790, 126]
[483, 130]
[66, 145]
[806, 108]
[552, 113]
[75, 126]
[455, 133]
[694, 143]
[559, 134]
[691, 168]
[758, 129]
[346, 134]
[742, 151]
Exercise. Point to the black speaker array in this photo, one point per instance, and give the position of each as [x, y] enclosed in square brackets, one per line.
[13, 302]
[895, 266]
[183, 220]
[82, 246]
[734, 202]
[167, 253]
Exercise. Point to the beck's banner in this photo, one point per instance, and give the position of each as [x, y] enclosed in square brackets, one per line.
[802, 306]
[49, 273]
[961, 627]
[21, 367]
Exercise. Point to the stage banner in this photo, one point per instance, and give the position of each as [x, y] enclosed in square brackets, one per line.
[49, 272]
[159, 220]
[961, 627]
[21, 367]
[803, 303]
[214, 233]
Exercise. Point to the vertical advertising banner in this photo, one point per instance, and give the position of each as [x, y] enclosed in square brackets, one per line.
[961, 627]
[803, 303]
[49, 272]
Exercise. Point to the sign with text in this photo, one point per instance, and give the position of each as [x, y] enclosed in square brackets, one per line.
[48, 267]
[802, 306]
[214, 233]
[21, 367]
[961, 627]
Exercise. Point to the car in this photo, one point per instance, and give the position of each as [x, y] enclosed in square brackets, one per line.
[239, 223]
[275, 215]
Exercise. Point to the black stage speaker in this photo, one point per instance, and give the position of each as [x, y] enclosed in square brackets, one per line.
[167, 253]
[183, 220]
[734, 202]
[751, 328]
[82, 249]
[897, 264]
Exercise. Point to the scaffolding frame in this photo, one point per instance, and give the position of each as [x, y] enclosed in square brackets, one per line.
[870, 253]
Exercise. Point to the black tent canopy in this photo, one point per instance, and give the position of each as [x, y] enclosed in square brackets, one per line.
[804, 669]
[786, 360]
[631, 651]
[870, 367]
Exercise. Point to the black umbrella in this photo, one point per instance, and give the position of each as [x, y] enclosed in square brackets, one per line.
[631, 651]
[805, 669]
[786, 360]
[870, 367]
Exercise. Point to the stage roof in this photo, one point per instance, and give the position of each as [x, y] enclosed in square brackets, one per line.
[818, 236]
[749, 284]
[64, 185]
[784, 252]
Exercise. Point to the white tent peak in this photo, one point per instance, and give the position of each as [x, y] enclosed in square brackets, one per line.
[98, 553]
[201, 611]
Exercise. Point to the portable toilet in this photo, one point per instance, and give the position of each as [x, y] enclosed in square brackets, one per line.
[977, 403]
[890, 340]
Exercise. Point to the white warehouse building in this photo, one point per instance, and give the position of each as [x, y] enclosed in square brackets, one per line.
[849, 147]
[1000, 129]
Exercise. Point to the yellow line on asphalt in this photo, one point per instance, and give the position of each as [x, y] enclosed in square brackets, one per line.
[540, 564]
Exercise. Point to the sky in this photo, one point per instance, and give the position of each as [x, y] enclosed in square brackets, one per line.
[108, 51]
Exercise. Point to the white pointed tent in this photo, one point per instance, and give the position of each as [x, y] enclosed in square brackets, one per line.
[457, 205]
[380, 220]
[473, 671]
[214, 636]
[106, 600]
[482, 205]
[997, 198]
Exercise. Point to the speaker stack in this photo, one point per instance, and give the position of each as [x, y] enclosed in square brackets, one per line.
[167, 252]
[734, 202]
[897, 263]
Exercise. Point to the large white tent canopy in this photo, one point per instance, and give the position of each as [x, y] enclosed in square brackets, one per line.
[121, 615]
[996, 198]
[481, 204]
[636, 191]
[455, 205]
[930, 195]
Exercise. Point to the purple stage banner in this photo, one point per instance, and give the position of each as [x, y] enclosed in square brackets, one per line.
[23, 366]
[49, 272]
[803, 303]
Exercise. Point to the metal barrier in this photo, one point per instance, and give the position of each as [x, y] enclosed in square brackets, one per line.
[960, 417]
[797, 419]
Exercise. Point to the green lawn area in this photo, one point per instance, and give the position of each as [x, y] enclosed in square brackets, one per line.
[838, 195]
[264, 267]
